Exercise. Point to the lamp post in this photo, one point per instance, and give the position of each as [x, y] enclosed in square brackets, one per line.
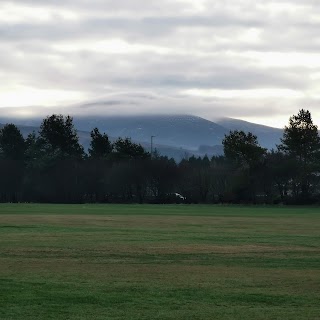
[152, 145]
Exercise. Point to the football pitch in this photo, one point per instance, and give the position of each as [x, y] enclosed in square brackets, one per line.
[159, 262]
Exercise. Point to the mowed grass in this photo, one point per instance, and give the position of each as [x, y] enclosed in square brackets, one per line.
[159, 262]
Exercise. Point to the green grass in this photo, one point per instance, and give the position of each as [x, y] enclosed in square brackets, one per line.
[159, 262]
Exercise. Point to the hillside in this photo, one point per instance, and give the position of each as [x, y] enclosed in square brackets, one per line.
[181, 131]
[172, 152]
[176, 136]
[268, 137]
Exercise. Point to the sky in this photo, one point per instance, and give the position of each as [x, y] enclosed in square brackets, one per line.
[248, 59]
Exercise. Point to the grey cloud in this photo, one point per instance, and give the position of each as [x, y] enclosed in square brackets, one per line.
[94, 71]
[150, 26]
[205, 50]
[135, 104]
[176, 32]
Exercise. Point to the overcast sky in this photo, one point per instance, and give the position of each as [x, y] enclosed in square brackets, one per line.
[248, 59]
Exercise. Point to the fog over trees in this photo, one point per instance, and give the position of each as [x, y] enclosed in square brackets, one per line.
[52, 166]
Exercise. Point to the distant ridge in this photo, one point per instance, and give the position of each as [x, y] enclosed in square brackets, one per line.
[183, 131]
[177, 136]
[268, 136]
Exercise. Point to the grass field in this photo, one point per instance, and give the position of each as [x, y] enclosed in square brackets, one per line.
[159, 262]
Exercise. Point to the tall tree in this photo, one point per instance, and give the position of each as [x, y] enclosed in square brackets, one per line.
[245, 152]
[282, 171]
[301, 142]
[126, 149]
[163, 176]
[12, 149]
[301, 138]
[243, 148]
[58, 136]
[59, 160]
[100, 146]
[12, 144]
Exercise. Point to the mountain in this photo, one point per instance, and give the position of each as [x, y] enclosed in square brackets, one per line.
[25, 130]
[172, 152]
[268, 137]
[181, 131]
[176, 136]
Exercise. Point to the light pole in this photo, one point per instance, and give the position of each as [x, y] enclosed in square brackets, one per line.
[152, 145]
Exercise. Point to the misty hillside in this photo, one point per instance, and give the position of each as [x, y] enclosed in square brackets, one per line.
[181, 131]
[25, 130]
[176, 136]
[268, 137]
[177, 153]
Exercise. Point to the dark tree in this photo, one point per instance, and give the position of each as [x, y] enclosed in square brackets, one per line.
[12, 148]
[301, 143]
[301, 138]
[196, 178]
[56, 166]
[98, 165]
[163, 177]
[100, 146]
[33, 153]
[281, 173]
[126, 149]
[59, 137]
[220, 171]
[245, 152]
[12, 144]
[242, 147]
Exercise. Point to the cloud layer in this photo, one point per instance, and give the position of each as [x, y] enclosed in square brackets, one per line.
[237, 58]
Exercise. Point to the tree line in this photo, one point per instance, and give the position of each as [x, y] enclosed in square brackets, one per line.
[52, 166]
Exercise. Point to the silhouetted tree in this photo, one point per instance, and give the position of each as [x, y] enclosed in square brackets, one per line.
[221, 177]
[57, 162]
[163, 177]
[281, 174]
[12, 148]
[301, 143]
[100, 146]
[12, 144]
[59, 138]
[244, 150]
[126, 149]
[301, 138]
[242, 147]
